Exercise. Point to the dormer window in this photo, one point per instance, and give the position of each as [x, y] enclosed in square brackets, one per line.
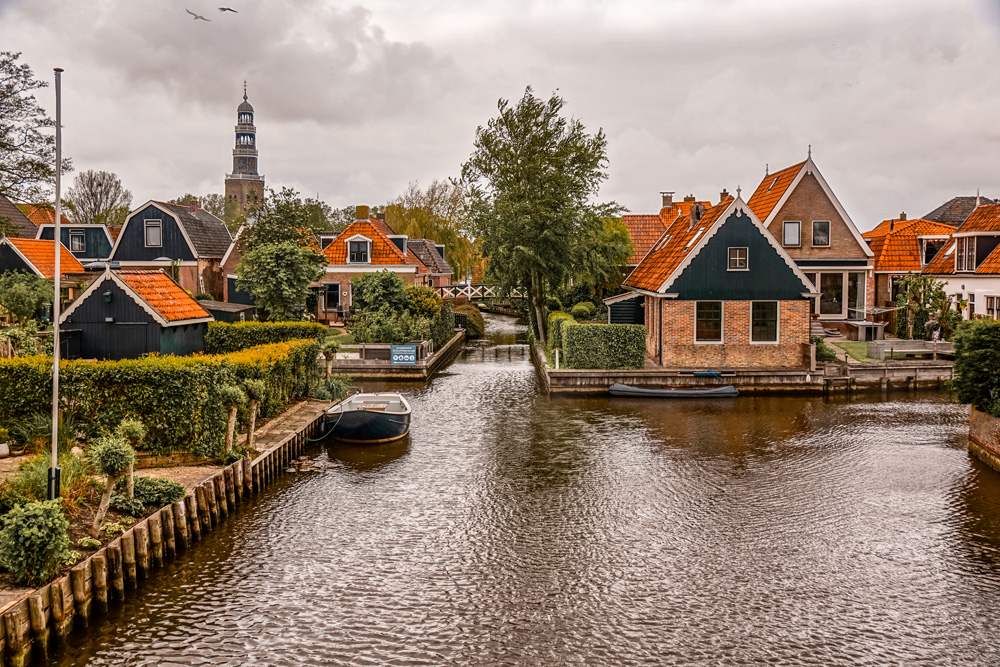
[77, 242]
[359, 252]
[965, 255]
[154, 233]
[931, 247]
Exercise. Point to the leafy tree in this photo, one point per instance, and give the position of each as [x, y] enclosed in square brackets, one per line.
[602, 253]
[278, 277]
[424, 301]
[111, 456]
[22, 294]
[437, 213]
[320, 216]
[380, 289]
[99, 196]
[27, 151]
[283, 217]
[977, 365]
[529, 183]
[133, 432]
[232, 397]
[224, 209]
[922, 299]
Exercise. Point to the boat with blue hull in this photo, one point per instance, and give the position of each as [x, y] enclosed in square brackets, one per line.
[369, 418]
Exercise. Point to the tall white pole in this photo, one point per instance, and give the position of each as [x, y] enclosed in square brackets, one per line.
[57, 238]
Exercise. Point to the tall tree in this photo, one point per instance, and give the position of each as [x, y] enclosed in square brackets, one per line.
[529, 184]
[278, 277]
[602, 254]
[22, 294]
[282, 217]
[99, 197]
[27, 150]
[437, 213]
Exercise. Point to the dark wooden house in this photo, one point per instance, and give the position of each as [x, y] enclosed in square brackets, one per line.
[229, 312]
[13, 222]
[126, 314]
[187, 241]
[88, 243]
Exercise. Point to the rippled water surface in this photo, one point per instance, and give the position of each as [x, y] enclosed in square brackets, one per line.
[516, 529]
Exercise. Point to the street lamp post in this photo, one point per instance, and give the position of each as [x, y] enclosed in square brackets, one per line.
[57, 238]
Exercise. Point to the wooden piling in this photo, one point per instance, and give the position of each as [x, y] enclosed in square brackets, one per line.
[128, 558]
[255, 478]
[15, 624]
[180, 524]
[212, 502]
[116, 573]
[62, 614]
[99, 573]
[141, 535]
[39, 622]
[248, 475]
[227, 478]
[194, 523]
[204, 516]
[237, 469]
[169, 540]
[155, 539]
[219, 481]
[81, 596]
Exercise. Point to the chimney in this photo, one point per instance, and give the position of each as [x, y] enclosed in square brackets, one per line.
[694, 217]
[194, 203]
[380, 216]
[902, 216]
[667, 199]
[362, 213]
[689, 198]
[723, 195]
[892, 225]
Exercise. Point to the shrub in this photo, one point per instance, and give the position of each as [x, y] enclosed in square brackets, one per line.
[31, 481]
[223, 337]
[203, 296]
[88, 543]
[475, 326]
[386, 326]
[555, 323]
[423, 301]
[132, 431]
[333, 388]
[35, 431]
[823, 351]
[977, 365]
[34, 541]
[157, 492]
[443, 326]
[583, 310]
[126, 505]
[11, 498]
[111, 455]
[381, 289]
[4, 435]
[606, 346]
[553, 304]
[113, 529]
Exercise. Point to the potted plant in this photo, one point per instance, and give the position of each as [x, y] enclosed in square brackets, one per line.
[4, 447]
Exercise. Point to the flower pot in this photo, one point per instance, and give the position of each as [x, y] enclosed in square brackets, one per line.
[4, 450]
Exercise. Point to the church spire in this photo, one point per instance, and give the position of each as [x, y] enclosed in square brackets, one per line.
[245, 186]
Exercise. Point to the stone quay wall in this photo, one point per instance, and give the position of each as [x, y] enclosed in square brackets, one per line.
[984, 437]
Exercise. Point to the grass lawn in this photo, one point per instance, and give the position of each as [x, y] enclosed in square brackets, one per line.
[342, 339]
[857, 349]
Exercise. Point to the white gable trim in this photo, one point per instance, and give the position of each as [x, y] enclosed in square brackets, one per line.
[75, 227]
[737, 205]
[17, 251]
[232, 244]
[110, 275]
[177, 221]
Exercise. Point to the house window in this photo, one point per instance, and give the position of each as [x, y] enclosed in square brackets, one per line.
[359, 252]
[332, 298]
[764, 322]
[855, 296]
[972, 305]
[930, 250]
[831, 299]
[708, 322]
[970, 253]
[991, 307]
[821, 232]
[77, 242]
[738, 259]
[154, 233]
[791, 234]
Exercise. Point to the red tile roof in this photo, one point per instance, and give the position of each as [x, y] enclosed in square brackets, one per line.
[676, 243]
[992, 262]
[383, 253]
[986, 218]
[943, 263]
[896, 244]
[771, 189]
[163, 295]
[644, 231]
[41, 253]
[42, 214]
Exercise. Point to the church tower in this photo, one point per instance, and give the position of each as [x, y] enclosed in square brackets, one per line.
[245, 186]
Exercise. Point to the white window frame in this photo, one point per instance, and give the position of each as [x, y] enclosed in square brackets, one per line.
[76, 235]
[358, 238]
[829, 234]
[784, 234]
[746, 258]
[777, 323]
[722, 323]
[146, 224]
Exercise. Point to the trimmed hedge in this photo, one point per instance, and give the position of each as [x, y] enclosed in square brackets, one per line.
[223, 337]
[176, 398]
[554, 336]
[475, 326]
[977, 365]
[604, 346]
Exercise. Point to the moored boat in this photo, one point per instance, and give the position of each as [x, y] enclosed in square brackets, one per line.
[369, 418]
[725, 391]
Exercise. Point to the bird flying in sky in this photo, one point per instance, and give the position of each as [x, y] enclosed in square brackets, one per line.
[228, 9]
[196, 16]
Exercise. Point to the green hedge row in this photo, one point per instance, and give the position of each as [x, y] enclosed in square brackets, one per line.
[176, 398]
[605, 346]
[977, 365]
[223, 337]
[555, 323]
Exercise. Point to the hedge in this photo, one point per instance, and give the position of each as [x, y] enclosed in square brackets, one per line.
[223, 337]
[977, 365]
[554, 339]
[605, 346]
[176, 398]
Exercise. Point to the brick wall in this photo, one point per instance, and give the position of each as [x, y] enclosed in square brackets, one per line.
[809, 202]
[736, 350]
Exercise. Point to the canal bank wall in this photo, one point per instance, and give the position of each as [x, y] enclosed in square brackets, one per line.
[32, 624]
[379, 369]
[984, 438]
[839, 378]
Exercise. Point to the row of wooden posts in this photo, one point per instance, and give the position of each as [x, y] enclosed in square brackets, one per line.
[32, 624]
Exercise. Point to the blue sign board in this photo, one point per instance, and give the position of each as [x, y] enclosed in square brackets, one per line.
[404, 355]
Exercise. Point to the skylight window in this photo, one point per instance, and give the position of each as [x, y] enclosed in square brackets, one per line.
[694, 238]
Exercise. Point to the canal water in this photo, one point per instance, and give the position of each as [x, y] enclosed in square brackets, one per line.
[517, 529]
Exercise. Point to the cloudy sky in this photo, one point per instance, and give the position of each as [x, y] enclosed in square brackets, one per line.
[900, 99]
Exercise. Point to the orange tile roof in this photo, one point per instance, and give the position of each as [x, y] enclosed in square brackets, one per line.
[986, 218]
[672, 247]
[896, 245]
[943, 263]
[384, 252]
[41, 253]
[644, 230]
[42, 214]
[771, 189]
[992, 262]
[163, 295]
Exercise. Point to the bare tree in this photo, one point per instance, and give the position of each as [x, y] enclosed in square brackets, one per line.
[100, 197]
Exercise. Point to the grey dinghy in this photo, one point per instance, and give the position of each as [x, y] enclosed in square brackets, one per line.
[726, 391]
[369, 418]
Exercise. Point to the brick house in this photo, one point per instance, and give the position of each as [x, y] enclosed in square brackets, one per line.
[186, 241]
[969, 264]
[800, 210]
[903, 247]
[721, 292]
